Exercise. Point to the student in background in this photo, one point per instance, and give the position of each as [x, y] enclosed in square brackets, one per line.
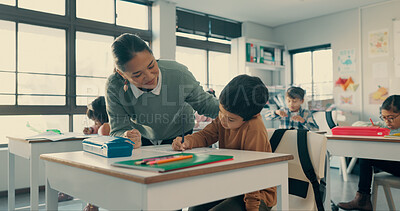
[96, 111]
[390, 114]
[294, 116]
[238, 126]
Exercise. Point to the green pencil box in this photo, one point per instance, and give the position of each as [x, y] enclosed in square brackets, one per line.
[108, 146]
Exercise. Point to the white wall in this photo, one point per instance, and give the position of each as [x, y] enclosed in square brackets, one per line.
[342, 31]
[257, 31]
[163, 29]
[377, 18]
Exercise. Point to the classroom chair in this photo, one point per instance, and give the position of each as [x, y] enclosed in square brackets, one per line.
[387, 181]
[316, 144]
[326, 120]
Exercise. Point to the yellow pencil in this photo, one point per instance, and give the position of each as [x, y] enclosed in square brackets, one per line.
[170, 159]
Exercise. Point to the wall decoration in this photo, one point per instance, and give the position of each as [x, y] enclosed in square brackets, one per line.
[379, 95]
[378, 43]
[396, 47]
[346, 100]
[346, 61]
[347, 84]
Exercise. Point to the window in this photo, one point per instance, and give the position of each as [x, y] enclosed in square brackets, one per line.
[53, 64]
[219, 71]
[94, 63]
[132, 15]
[7, 63]
[313, 71]
[41, 65]
[102, 12]
[49, 6]
[195, 60]
[210, 68]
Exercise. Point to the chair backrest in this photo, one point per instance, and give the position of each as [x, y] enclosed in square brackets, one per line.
[322, 122]
[317, 151]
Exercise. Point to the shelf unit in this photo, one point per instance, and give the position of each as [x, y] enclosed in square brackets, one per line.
[272, 73]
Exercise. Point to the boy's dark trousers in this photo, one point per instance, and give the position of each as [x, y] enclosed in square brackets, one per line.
[366, 170]
[235, 203]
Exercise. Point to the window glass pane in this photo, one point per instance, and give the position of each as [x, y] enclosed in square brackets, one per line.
[132, 15]
[7, 81]
[41, 49]
[16, 125]
[80, 122]
[7, 99]
[219, 68]
[7, 43]
[89, 87]
[323, 74]
[195, 60]
[41, 84]
[84, 100]
[97, 10]
[8, 2]
[93, 55]
[41, 100]
[49, 6]
[302, 68]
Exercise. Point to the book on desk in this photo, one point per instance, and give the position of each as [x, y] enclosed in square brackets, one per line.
[194, 160]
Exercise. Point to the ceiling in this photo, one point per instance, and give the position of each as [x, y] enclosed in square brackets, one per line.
[271, 13]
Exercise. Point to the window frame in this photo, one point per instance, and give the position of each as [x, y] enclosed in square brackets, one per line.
[303, 50]
[71, 24]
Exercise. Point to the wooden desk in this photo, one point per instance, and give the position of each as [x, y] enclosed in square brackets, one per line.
[372, 147]
[31, 150]
[93, 179]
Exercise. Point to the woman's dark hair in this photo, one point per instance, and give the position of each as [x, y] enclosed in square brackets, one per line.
[392, 103]
[244, 96]
[97, 110]
[125, 47]
[212, 92]
[295, 92]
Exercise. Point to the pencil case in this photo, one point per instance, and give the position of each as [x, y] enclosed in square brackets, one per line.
[360, 131]
[108, 146]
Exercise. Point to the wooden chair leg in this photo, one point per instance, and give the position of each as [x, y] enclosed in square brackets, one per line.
[389, 197]
[374, 195]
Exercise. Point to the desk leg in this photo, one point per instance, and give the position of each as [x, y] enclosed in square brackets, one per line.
[327, 204]
[11, 181]
[283, 193]
[34, 177]
[51, 197]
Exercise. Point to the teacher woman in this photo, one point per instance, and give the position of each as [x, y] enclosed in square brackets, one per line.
[150, 100]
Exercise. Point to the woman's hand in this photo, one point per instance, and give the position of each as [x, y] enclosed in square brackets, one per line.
[178, 145]
[135, 136]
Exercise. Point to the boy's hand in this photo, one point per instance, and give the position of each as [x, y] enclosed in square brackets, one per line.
[281, 113]
[135, 136]
[298, 118]
[178, 145]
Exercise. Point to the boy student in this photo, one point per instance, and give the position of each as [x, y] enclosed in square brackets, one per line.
[238, 126]
[294, 116]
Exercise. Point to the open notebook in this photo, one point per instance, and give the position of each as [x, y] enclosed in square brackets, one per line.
[196, 160]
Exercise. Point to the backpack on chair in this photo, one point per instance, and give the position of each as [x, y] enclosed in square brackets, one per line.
[307, 168]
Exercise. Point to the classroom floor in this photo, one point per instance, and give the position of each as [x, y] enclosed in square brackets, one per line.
[342, 191]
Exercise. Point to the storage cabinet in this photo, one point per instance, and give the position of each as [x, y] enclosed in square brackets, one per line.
[264, 59]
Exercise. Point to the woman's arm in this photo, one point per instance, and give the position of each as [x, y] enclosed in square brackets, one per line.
[201, 101]
[119, 119]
